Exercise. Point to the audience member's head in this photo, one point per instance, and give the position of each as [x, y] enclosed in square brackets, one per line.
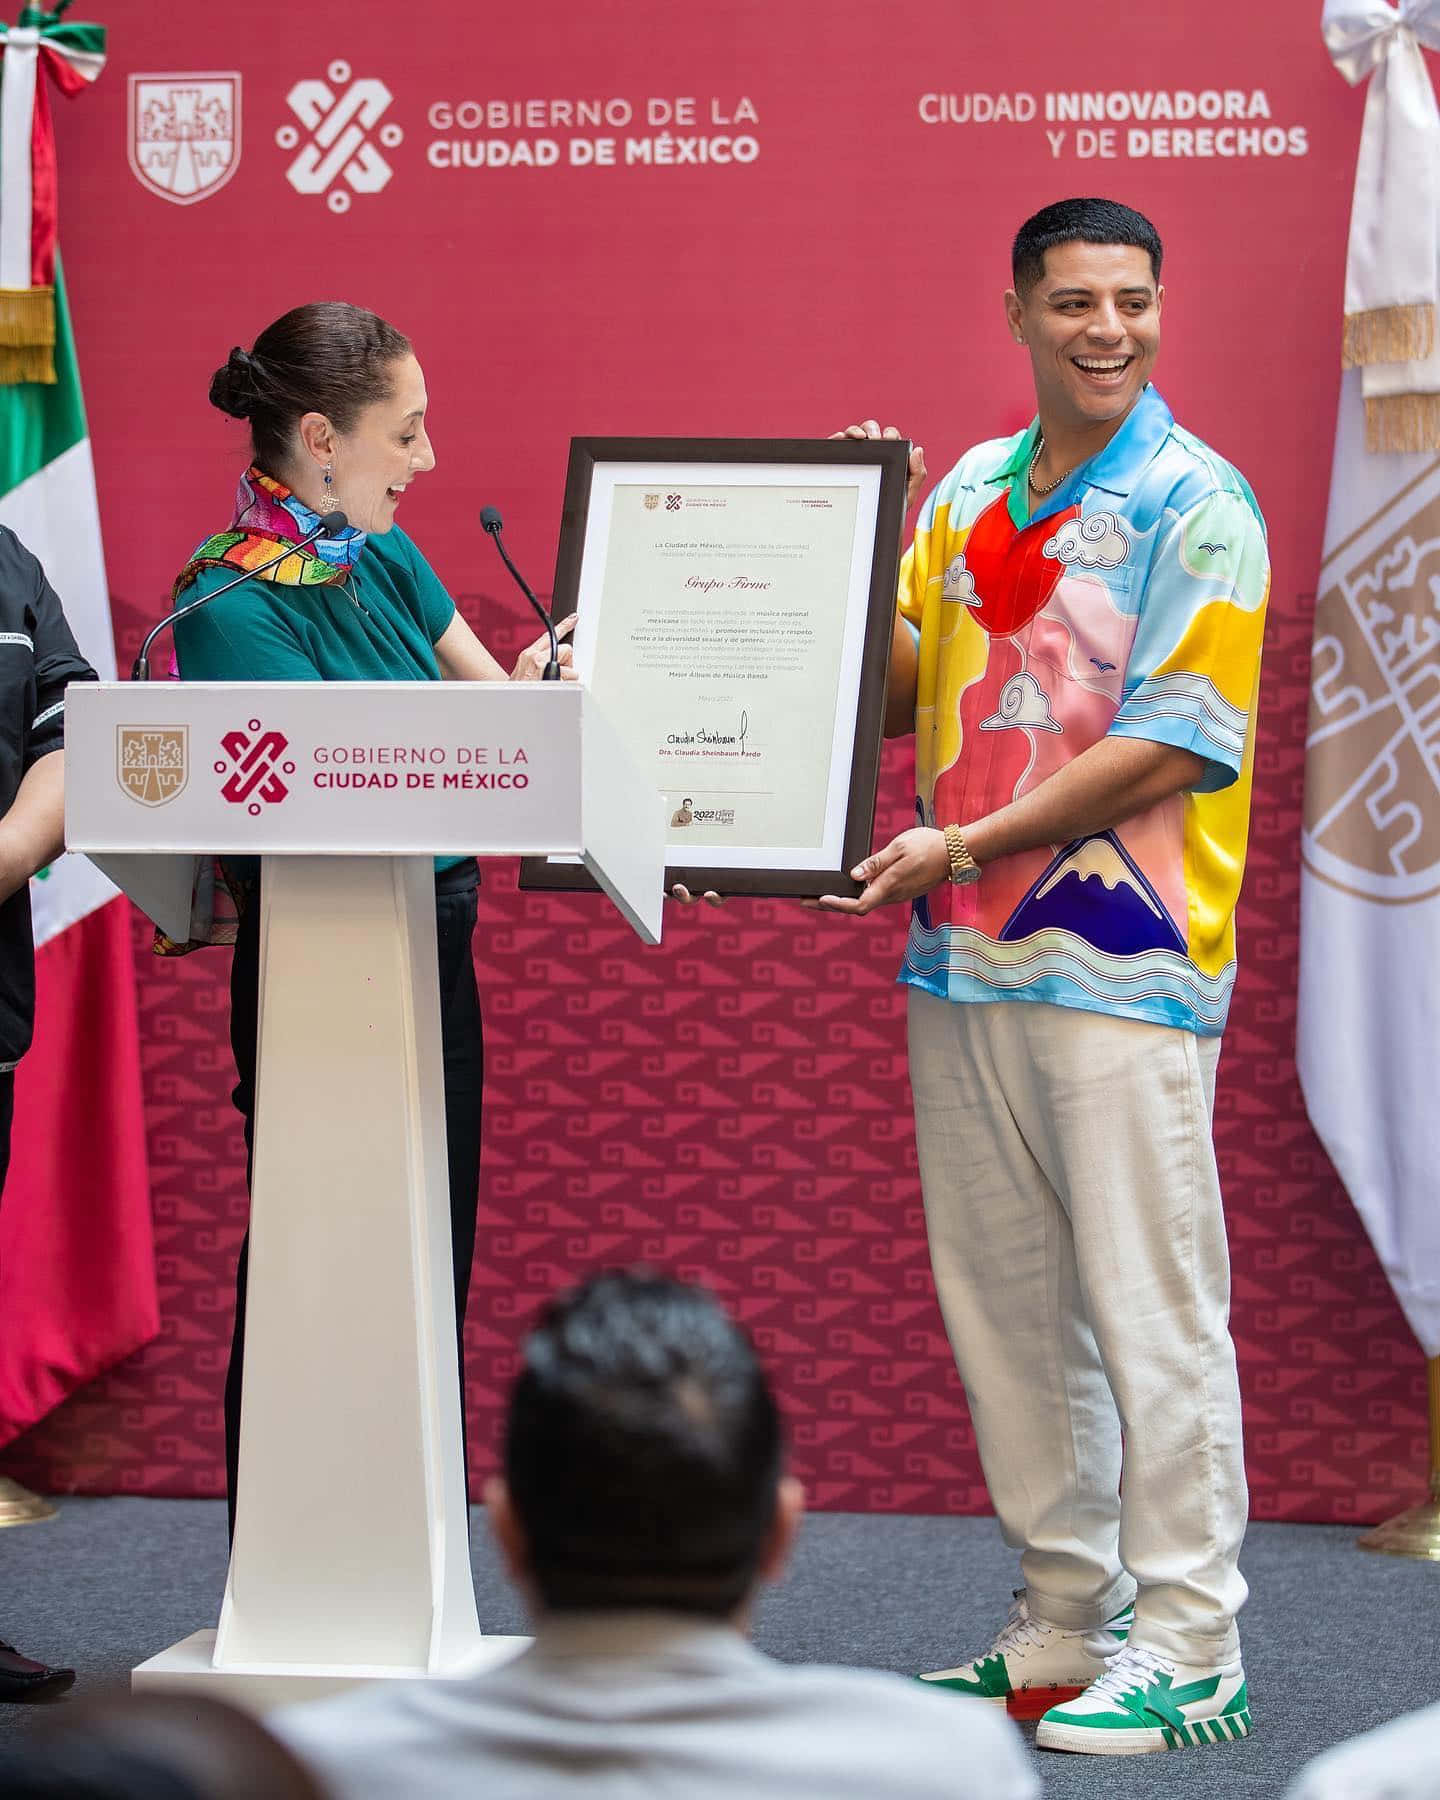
[642, 1456]
[153, 1747]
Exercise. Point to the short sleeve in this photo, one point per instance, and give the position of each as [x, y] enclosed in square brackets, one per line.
[241, 637]
[915, 567]
[433, 601]
[1194, 667]
[58, 661]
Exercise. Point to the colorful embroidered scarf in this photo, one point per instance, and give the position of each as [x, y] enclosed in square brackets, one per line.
[267, 517]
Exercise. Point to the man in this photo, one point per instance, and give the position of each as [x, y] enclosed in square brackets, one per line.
[150, 1746]
[641, 1508]
[38, 657]
[1079, 650]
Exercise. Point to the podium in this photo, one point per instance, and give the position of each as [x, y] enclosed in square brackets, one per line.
[351, 1552]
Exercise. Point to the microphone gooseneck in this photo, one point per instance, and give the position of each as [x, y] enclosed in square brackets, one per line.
[493, 524]
[330, 526]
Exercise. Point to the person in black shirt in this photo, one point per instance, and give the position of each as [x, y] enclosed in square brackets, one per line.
[38, 658]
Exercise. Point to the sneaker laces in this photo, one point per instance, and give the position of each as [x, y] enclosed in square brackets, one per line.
[1020, 1629]
[1129, 1670]
[1106, 1639]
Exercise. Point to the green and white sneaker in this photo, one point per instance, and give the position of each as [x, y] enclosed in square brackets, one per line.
[1148, 1702]
[1032, 1666]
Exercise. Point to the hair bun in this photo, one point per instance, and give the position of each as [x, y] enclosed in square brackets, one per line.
[233, 387]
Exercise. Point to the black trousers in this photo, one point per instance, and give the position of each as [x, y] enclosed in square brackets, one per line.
[460, 1030]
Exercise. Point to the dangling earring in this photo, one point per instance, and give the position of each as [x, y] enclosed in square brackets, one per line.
[328, 502]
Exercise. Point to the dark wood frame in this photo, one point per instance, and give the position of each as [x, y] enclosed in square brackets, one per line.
[893, 458]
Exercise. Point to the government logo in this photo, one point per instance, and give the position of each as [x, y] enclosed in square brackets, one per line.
[253, 768]
[184, 134]
[340, 115]
[152, 762]
[1372, 772]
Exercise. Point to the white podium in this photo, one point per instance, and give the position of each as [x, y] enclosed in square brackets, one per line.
[351, 1552]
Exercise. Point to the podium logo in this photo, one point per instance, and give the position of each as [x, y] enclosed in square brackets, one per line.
[339, 157]
[152, 763]
[184, 134]
[253, 770]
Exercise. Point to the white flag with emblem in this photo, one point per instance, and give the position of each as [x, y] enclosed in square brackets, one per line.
[1369, 1028]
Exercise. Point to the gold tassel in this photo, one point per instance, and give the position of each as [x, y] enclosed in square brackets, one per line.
[1388, 334]
[29, 362]
[27, 335]
[27, 315]
[1402, 422]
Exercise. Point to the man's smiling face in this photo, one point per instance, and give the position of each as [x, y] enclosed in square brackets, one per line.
[1092, 326]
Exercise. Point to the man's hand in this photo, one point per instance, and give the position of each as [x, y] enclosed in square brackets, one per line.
[681, 893]
[915, 482]
[909, 865]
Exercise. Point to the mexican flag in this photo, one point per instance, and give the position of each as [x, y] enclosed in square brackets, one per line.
[77, 1263]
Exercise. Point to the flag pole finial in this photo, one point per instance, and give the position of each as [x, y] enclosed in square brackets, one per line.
[1416, 1532]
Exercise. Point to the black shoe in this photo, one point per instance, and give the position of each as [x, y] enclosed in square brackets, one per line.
[22, 1679]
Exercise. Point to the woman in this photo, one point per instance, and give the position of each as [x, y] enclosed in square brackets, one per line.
[336, 405]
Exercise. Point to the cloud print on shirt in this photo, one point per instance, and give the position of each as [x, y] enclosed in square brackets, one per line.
[1022, 702]
[1095, 542]
[959, 583]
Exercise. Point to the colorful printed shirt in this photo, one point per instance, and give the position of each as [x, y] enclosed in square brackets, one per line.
[1130, 604]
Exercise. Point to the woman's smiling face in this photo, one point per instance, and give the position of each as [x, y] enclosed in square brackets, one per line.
[384, 450]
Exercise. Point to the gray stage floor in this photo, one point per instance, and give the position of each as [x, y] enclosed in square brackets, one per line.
[1335, 1640]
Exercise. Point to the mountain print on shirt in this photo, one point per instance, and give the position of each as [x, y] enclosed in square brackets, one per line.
[1094, 889]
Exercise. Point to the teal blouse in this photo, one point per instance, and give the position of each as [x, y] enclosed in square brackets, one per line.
[381, 625]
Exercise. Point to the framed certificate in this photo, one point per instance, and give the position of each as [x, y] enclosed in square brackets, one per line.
[735, 603]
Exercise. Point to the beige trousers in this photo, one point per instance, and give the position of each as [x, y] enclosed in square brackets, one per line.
[1076, 1231]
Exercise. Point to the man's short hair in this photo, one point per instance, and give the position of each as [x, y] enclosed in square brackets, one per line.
[642, 1450]
[1079, 222]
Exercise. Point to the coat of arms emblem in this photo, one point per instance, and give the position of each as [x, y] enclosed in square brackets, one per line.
[1372, 770]
[651, 502]
[184, 134]
[152, 762]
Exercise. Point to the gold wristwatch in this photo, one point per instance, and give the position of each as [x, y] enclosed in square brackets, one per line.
[963, 867]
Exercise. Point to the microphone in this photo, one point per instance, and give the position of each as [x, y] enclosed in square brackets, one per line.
[491, 522]
[330, 526]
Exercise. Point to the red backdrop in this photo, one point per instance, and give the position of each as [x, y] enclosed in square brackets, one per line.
[733, 1105]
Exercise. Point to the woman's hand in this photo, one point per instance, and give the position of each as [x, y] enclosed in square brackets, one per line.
[530, 664]
[909, 865]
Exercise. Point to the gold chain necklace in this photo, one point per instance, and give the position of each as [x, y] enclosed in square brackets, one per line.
[1035, 486]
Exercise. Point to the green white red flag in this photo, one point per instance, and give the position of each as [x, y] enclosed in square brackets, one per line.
[77, 1264]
